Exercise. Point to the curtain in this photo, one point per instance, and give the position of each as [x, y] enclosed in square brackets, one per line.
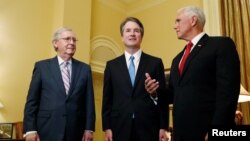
[235, 20]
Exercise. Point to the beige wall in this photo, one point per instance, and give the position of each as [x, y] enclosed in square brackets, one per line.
[160, 38]
[26, 27]
[25, 31]
[158, 17]
[77, 15]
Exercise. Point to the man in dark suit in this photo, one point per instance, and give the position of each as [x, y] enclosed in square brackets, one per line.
[60, 106]
[206, 90]
[129, 113]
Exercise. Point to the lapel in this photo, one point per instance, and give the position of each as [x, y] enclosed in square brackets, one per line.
[55, 69]
[201, 43]
[139, 73]
[76, 68]
[141, 68]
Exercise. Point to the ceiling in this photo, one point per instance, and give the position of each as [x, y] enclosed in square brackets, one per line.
[127, 1]
[131, 6]
[132, 2]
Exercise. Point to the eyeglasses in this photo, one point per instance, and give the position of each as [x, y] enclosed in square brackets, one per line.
[68, 39]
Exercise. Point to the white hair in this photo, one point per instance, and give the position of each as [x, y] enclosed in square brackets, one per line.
[58, 32]
[195, 11]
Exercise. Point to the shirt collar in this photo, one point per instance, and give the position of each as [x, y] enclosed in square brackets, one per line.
[137, 55]
[60, 60]
[196, 39]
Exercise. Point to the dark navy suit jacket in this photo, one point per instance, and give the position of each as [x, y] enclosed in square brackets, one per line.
[50, 111]
[206, 93]
[121, 101]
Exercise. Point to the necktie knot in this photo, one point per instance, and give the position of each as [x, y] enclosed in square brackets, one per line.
[66, 64]
[189, 45]
[132, 58]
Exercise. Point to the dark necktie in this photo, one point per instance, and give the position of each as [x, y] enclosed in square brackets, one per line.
[66, 76]
[185, 56]
[131, 69]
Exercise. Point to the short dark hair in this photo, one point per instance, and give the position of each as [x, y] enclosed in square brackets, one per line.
[133, 19]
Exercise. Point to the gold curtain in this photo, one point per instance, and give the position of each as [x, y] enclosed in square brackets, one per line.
[235, 19]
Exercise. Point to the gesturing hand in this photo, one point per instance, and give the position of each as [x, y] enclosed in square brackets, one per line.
[151, 85]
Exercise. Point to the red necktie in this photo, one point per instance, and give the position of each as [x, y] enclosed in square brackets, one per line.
[185, 56]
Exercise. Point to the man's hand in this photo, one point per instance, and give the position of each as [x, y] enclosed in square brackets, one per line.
[206, 137]
[32, 137]
[238, 117]
[108, 135]
[163, 135]
[151, 85]
[87, 136]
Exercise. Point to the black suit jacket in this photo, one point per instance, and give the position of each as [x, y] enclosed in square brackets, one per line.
[121, 101]
[207, 92]
[50, 111]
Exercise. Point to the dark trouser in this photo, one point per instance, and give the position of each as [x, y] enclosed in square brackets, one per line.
[133, 135]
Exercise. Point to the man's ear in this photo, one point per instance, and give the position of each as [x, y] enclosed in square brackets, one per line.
[54, 44]
[194, 20]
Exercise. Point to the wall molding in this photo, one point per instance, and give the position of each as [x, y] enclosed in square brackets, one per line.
[103, 48]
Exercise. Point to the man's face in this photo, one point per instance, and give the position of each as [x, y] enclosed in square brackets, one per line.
[131, 35]
[183, 25]
[66, 44]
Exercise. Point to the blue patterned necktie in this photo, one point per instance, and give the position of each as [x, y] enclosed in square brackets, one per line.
[131, 69]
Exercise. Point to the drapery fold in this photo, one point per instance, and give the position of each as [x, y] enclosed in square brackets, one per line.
[235, 20]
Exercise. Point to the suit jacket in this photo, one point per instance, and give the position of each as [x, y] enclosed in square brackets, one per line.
[51, 112]
[121, 100]
[206, 93]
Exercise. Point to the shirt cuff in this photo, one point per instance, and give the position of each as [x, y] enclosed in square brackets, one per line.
[155, 99]
[89, 131]
[30, 132]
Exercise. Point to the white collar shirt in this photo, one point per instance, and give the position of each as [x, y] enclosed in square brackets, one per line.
[137, 56]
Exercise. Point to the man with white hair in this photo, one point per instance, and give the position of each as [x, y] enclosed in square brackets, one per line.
[204, 79]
